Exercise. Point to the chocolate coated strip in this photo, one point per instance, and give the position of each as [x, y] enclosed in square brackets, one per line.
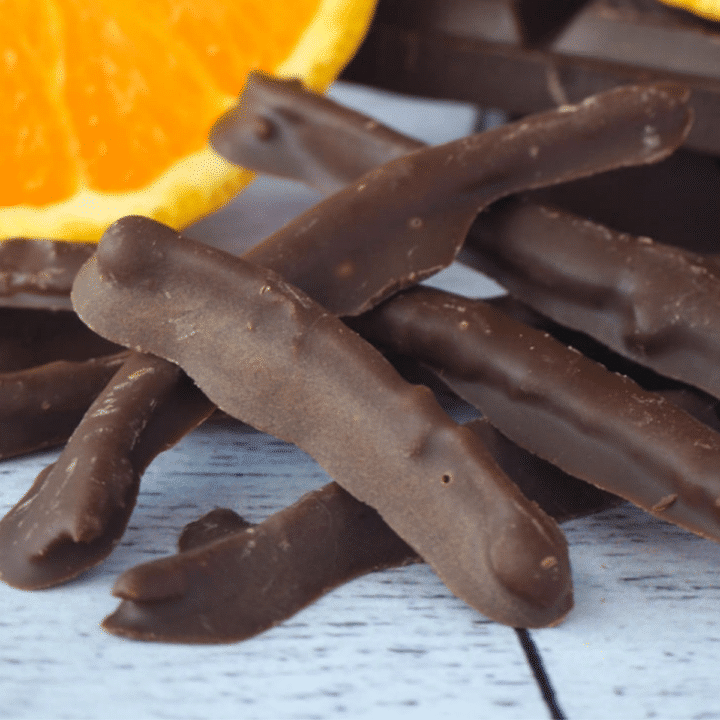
[266, 573]
[306, 144]
[414, 212]
[149, 287]
[40, 407]
[273, 130]
[551, 400]
[77, 509]
[250, 580]
[697, 403]
[653, 303]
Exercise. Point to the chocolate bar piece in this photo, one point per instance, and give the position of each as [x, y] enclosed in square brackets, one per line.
[149, 287]
[30, 337]
[414, 212]
[650, 302]
[231, 580]
[78, 507]
[39, 273]
[551, 400]
[474, 50]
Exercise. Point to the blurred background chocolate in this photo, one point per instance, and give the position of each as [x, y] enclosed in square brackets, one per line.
[518, 57]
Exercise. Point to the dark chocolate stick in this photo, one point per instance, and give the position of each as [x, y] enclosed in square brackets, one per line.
[285, 365]
[230, 580]
[656, 304]
[551, 400]
[274, 130]
[40, 407]
[414, 212]
[320, 124]
[78, 507]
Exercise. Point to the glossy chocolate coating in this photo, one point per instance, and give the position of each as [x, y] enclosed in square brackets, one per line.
[151, 288]
[264, 574]
[473, 50]
[414, 212]
[551, 400]
[78, 507]
[653, 303]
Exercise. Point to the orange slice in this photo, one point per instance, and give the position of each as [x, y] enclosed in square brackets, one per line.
[108, 103]
[709, 9]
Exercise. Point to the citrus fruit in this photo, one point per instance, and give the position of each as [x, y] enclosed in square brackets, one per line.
[709, 9]
[107, 103]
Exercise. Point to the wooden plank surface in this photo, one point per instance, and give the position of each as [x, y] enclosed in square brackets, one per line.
[642, 642]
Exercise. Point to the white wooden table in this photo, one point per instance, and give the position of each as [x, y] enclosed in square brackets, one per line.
[642, 642]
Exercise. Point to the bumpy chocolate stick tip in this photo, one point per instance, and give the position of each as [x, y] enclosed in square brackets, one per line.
[268, 131]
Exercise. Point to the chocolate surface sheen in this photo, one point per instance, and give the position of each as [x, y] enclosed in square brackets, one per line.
[267, 354]
[653, 303]
[551, 400]
[78, 507]
[414, 212]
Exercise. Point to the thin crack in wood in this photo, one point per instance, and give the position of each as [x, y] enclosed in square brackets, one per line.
[541, 677]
